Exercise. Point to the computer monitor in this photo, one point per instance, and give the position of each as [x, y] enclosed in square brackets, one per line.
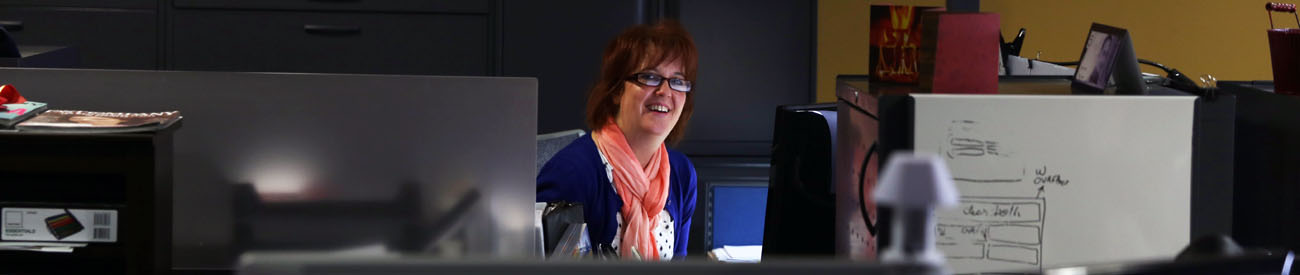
[800, 219]
[1108, 53]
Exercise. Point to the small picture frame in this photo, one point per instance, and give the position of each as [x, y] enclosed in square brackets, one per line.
[1107, 53]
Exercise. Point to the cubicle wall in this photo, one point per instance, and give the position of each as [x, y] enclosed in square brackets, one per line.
[1048, 181]
[396, 164]
[1267, 181]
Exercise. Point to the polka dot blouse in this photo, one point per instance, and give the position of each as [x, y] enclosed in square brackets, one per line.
[664, 232]
[664, 235]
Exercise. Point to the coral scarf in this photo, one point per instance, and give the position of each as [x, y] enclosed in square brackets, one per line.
[644, 191]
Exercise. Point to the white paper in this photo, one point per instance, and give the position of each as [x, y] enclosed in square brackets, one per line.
[739, 254]
[41, 246]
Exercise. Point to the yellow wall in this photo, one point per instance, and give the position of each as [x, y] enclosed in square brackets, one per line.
[1223, 38]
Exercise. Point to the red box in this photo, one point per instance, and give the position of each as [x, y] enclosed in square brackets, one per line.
[959, 53]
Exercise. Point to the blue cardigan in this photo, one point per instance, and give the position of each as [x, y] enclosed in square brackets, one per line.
[576, 174]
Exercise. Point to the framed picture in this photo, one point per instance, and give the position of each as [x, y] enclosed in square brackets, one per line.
[1108, 54]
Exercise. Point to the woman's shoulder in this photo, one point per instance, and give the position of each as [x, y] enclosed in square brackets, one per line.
[680, 162]
[678, 159]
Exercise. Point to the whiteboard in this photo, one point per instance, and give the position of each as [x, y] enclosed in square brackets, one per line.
[1048, 181]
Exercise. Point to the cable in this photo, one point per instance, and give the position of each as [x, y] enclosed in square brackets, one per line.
[1173, 78]
[1076, 63]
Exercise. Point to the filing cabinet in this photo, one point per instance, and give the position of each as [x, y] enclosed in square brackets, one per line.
[117, 34]
[405, 6]
[332, 36]
[298, 41]
[452, 37]
[108, 4]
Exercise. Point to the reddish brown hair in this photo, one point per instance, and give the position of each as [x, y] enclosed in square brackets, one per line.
[636, 49]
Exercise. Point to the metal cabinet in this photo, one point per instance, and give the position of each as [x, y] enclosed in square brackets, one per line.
[755, 55]
[287, 41]
[442, 6]
[560, 43]
[103, 37]
[119, 4]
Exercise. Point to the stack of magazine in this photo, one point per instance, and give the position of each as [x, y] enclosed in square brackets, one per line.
[16, 112]
[71, 121]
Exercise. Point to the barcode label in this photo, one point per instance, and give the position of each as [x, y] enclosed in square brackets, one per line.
[102, 219]
[101, 234]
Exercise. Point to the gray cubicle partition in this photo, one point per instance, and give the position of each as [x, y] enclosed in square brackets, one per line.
[328, 162]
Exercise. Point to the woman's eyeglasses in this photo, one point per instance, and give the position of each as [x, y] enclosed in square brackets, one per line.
[654, 80]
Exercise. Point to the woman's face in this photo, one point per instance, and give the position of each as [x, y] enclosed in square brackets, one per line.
[645, 110]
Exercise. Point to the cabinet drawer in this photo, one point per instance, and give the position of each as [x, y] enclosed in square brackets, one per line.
[447, 6]
[330, 43]
[121, 4]
[107, 39]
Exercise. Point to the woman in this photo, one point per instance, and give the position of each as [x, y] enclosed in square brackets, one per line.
[638, 196]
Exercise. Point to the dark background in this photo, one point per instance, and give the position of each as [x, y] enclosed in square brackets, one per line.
[754, 54]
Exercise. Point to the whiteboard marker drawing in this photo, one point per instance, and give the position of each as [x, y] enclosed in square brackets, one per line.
[968, 143]
[1116, 171]
[994, 229]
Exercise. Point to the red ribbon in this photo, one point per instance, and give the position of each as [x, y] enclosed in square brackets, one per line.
[9, 95]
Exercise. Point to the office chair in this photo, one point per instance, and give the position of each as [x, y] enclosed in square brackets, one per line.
[551, 143]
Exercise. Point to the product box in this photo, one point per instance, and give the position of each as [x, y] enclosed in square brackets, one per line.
[58, 225]
[959, 53]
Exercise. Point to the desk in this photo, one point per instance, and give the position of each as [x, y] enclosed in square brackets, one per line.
[130, 173]
[328, 138]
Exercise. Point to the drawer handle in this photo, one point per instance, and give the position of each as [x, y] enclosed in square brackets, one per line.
[331, 30]
[11, 25]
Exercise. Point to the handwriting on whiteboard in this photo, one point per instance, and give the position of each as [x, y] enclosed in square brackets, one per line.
[1006, 230]
[996, 229]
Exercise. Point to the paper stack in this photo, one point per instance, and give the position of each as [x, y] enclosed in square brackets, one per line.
[738, 253]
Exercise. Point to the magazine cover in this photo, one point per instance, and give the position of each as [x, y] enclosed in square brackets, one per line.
[98, 122]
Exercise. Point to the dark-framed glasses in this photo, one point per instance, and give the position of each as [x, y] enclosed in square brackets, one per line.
[654, 80]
